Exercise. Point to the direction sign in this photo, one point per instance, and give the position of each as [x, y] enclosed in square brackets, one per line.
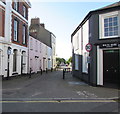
[88, 47]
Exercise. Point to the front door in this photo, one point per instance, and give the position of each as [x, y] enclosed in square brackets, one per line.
[110, 66]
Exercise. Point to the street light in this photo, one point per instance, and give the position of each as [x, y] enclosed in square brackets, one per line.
[8, 53]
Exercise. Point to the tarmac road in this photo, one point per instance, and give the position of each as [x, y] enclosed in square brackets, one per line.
[50, 93]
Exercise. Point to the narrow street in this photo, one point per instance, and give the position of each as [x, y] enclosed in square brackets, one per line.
[50, 93]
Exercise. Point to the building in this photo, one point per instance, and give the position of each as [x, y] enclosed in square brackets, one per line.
[14, 37]
[38, 31]
[39, 55]
[53, 43]
[96, 46]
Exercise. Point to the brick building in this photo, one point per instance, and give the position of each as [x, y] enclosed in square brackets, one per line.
[14, 37]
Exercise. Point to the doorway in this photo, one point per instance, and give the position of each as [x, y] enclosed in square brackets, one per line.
[110, 66]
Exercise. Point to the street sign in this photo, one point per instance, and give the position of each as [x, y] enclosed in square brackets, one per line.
[88, 47]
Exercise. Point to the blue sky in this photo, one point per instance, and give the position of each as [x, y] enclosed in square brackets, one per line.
[61, 18]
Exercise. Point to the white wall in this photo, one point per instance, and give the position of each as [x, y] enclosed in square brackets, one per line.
[85, 42]
[53, 40]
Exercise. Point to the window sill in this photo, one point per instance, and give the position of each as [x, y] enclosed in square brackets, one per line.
[109, 37]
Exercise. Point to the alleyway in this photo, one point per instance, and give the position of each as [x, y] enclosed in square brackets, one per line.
[51, 88]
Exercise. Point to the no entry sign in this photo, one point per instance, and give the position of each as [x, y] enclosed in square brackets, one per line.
[88, 47]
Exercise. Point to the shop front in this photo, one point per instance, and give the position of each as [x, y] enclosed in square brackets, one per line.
[108, 56]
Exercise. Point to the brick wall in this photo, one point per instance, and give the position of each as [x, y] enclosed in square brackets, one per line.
[2, 21]
[20, 30]
[20, 8]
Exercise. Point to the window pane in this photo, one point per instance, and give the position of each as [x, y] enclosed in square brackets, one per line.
[106, 25]
[116, 33]
[106, 34]
[110, 29]
[115, 23]
[106, 20]
[115, 28]
[110, 19]
[110, 24]
[115, 19]
[110, 33]
[106, 29]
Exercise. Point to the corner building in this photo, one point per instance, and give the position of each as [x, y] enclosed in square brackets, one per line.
[14, 37]
[96, 46]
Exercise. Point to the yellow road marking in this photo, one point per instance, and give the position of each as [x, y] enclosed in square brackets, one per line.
[60, 101]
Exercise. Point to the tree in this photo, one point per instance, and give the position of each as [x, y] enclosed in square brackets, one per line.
[69, 60]
[60, 60]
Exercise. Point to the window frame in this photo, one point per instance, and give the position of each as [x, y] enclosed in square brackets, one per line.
[16, 5]
[101, 24]
[24, 11]
[17, 28]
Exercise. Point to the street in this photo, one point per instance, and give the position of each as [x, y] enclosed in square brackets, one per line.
[50, 93]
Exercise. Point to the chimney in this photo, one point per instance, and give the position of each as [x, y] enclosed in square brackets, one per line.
[43, 25]
[35, 21]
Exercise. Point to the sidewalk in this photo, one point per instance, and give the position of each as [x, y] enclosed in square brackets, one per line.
[51, 86]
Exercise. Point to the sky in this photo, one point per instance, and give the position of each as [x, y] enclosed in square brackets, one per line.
[62, 18]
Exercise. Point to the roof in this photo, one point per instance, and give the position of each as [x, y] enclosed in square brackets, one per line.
[115, 5]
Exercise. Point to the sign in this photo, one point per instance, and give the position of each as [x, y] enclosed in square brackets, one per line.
[88, 59]
[112, 45]
[88, 47]
[9, 51]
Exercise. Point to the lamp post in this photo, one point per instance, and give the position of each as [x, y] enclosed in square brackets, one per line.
[8, 53]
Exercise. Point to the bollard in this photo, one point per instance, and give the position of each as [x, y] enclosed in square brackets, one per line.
[30, 72]
[46, 70]
[41, 71]
[63, 74]
[51, 69]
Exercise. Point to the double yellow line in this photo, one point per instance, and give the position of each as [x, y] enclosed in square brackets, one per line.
[60, 101]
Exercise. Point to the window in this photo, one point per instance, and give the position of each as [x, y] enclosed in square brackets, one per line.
[31, 44]
[24, 11]
[16, 5]
[76, 62]
[15, 30]
[14, 60]
[109, 25]
[24, 34]
[85, 62]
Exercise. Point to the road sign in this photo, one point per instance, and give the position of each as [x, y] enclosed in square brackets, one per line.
[88, 47]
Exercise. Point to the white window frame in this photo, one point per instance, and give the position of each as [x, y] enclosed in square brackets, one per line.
[24, 11]
[101, 24]
[85, 62]
[15, 30]
[24, 34]
[16, 5]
